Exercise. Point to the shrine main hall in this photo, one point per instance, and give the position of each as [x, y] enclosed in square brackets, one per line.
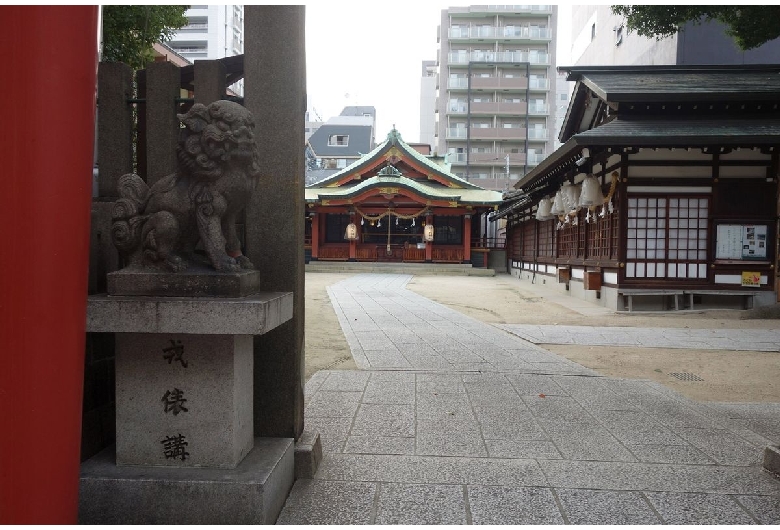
[395, 204]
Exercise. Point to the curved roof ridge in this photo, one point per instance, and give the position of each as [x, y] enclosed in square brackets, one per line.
[394, 139]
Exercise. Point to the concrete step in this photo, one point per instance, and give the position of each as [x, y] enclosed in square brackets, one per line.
[453, 269]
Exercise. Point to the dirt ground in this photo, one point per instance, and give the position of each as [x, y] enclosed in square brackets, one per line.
[728, 376]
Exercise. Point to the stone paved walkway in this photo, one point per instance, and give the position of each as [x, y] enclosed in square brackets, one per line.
[455, 421]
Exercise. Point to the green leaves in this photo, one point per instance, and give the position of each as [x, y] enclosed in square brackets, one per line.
[749, 25]
[130, 31]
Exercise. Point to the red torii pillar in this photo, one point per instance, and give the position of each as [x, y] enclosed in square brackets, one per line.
[467, 238]
[49, 54]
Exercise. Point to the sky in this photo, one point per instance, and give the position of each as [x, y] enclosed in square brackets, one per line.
[371, 53]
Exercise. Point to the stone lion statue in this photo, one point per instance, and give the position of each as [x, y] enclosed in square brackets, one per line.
[197, 205]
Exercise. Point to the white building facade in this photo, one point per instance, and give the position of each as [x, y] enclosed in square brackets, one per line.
[213, 32]
[496, 91]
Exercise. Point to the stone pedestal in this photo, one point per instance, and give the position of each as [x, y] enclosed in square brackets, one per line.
[183, 400]
[252, 493]
[184, 412]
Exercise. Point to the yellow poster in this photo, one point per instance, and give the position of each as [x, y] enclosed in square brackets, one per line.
[751, 279]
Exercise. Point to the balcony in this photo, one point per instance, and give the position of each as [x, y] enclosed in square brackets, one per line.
[539, 84]
[543, 10]
[458, 83]
[499, 83]
[535, 158]
[456, 133]
[495, 133]
[537, 134]
[497, 108]
[457, 107]
[486, 159]
[504, 33]
[538, 110]
[463, 57]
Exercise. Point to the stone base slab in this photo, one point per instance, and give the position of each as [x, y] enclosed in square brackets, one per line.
[252, 493]
[308, 455]
[197, 281]
[252, 315]
[772, 459]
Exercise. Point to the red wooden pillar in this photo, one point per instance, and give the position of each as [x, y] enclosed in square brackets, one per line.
[428, 244]
[315, 236]
[352, 242]
[467, 238]
[49, 54]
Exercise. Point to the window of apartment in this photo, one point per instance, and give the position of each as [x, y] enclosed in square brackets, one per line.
[341, 163]
[480, 125]
[480, 150]
[338, 140]
[513, 100]
[512, 125]
[482, 99]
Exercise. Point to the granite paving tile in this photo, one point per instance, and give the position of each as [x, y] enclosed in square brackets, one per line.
[389, 393]
[722, 446]
[418, 504]
[453, 443]
[380, 445]
[324, 502]
[333, 404]
[698, 508]
[659, 477]
[333, 432]
[508, 424]
[522, 449]
[345, 381]
[668, 454]
[593, 507]
[497, 505]
[431, 469]
[765, 509]
[533, 385]
[383, 420]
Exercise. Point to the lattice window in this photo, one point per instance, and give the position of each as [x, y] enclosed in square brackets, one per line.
[568, 238]
[667, 237]
[547, 238]
[603, 237]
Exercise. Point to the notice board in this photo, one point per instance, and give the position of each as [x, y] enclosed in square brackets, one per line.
[741, 242]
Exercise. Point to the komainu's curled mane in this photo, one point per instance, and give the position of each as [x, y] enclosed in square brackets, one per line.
[199, 203]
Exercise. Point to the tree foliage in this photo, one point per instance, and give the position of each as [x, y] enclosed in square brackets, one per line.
[749, 25]
[130, 31]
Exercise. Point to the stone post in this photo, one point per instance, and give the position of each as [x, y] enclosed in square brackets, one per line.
[163, 81]
[275, 93]
[209, 81]
[115, 126]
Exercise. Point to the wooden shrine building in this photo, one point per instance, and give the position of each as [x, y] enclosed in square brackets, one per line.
[664, 193]
[395, 204]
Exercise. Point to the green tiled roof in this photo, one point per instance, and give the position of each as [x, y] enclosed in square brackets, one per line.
[394, 140]
[433, 191]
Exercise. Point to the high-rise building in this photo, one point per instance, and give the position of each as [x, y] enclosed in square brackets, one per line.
[496, 91]
[601, 38]
[428, 104]
[212, 32]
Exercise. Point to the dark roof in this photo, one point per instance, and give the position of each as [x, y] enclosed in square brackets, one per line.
[358, 145]
[616, 84]
[683, 132]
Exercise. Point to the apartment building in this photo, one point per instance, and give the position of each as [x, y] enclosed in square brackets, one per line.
[212, 32]
[495, 109]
